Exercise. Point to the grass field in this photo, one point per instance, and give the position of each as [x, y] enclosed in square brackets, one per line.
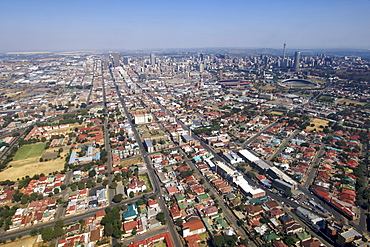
[31, 166]
[147, 182]
[317, 123]
[14, 172]
[277, 113]
[29, 151]
[348, 101]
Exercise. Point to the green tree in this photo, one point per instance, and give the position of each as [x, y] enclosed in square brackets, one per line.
[59, 223]
[58, 232]
[132, 194]
[92, 173]
[117, 198]
[25, 199]
[34, 232]
[160, 217]
[47, 234]
[113, 185]
[108, 229]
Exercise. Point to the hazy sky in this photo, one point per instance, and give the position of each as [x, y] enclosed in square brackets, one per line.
[32, 25]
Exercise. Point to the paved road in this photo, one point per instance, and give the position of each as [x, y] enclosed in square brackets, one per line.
[230, 217]
[255, 136]
[283, 144]
[146, 235]
[154, 179]
[110, 192]
[68, 219]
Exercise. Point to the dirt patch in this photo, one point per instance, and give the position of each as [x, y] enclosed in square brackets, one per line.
[26, 242]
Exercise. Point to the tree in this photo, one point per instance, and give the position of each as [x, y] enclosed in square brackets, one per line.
[59, 223]
[81, 185]
[132, 194]
[117, 198]
[34, 232]
[113, 185]
[105, 182]
[58, 231]
[160, 217]
[47, 234]
[108, 229]
[290, 240]
[140, 202]
[251, 174]
[288, 193]
[25, 199]
[56, 191]
[179, 222]
[92, 173]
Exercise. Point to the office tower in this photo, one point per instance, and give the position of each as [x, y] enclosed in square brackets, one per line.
[284, 54]
[201, 67]
[201, 57]
[152, 59]
[115, 59]
[297, 58]
[284, 62]
[105, 64]
[125, 60]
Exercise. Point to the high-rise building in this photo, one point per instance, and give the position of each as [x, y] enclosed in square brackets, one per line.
[126, 60]
[201, 67]
[116, 59]
[152, 59]
[297, 58]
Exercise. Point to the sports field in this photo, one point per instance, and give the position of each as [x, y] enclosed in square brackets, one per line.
[29, 151]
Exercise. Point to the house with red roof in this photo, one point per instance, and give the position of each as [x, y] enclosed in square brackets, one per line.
[193, 227]
[135, 186]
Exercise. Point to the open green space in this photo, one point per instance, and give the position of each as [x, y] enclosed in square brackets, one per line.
[29, 151]
[147, 181]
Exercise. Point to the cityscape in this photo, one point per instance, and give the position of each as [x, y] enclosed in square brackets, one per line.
[195, 124]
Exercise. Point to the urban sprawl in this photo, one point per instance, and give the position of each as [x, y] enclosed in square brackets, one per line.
[184, 148]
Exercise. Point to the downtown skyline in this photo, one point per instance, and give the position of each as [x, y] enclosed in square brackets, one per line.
[124, 25]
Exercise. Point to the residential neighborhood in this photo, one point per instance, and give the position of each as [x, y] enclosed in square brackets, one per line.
[186, 149]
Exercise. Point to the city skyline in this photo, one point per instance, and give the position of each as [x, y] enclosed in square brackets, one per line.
[123, 25]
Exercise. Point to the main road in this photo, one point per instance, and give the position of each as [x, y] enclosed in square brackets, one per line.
[153, 178]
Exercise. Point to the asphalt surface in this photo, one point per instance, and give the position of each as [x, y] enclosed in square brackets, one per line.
[154, 179]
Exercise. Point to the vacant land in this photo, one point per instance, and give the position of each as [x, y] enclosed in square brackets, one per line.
[14, 172]
[279, 113]
[70, 128]
[26, 242]
[318, 124]
[29, 151]
[32, 166]
[348, 101]
[132, 161]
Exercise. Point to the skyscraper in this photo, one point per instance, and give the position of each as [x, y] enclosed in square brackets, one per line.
[152, 59]
[126, 60]
[115, 59]
[297, 58]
